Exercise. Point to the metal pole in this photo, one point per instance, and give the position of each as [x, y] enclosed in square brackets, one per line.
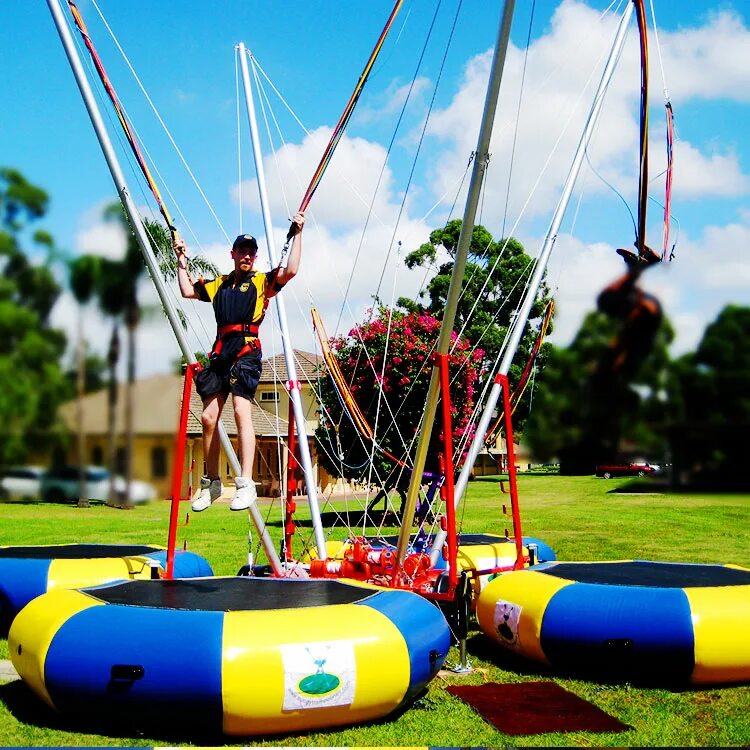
[292, 384]
[464, 240]
[538, 275]
[144, 242]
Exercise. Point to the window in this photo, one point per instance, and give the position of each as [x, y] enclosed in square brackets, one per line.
[271, 396]
[158, 462]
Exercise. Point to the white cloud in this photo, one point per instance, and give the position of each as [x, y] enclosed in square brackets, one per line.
[344, 197]
[708, 273]
[563, 70]
[700, 175]
[99, 237]
[392, 100]
[710, 62]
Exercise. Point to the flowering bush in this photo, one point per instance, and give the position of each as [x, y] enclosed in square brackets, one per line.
[396, 382]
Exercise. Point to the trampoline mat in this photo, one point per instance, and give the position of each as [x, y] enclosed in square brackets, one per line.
[230, 594]
[74, 551]
[650, 574]
[463, 539]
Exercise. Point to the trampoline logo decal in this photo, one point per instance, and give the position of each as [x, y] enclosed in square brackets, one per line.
[507, 615]
[318, 675]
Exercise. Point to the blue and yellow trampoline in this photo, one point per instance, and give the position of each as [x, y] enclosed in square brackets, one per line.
[239, 655]
[28, 571]
[650, 621]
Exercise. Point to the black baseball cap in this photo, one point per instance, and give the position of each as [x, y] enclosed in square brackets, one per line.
[245, 240]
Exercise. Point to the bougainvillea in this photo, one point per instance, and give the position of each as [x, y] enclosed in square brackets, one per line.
[401, 386]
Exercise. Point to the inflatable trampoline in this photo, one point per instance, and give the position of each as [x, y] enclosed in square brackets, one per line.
[28, 571]
[239, 655]
[651, 621]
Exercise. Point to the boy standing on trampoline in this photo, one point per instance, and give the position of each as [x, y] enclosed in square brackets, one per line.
[239, 299]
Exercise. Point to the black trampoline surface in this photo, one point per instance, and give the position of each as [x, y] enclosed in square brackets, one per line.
[465, 539]
[650, 574]
[73, 551]
[235, 594]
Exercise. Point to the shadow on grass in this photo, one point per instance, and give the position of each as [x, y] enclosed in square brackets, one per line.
[642, 487]
[28, 709]
[663, 487]
[481, 647]
[621, 675]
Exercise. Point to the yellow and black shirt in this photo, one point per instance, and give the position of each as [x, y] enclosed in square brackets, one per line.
[235, 301]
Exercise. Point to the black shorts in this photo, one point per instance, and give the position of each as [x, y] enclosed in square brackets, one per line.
[240, 378]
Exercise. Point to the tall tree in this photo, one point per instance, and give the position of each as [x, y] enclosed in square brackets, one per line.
[386, 362]
[30, 349]
[494, 283]
[118, 293]
[84, 275]
[710, 400]
[560, 424]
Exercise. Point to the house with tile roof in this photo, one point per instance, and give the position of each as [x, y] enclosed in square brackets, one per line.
[157, 402]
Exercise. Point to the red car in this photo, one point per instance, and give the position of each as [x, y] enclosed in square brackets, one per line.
[625, 470]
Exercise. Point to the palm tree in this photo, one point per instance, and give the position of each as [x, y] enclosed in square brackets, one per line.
[84, 275]
[118, 293]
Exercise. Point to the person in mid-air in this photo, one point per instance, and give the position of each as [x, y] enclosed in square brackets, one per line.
[640, 311]
[239, 299]
[608, 394]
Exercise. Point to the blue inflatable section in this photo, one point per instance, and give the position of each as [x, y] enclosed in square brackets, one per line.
[544, 552]
[179, 653]
[21, 580]
[640, 630]
[186, 564]
[423, 628]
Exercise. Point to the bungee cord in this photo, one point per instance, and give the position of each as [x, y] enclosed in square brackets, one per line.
[176, 147]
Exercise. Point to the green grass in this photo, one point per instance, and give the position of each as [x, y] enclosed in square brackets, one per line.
[582, 518]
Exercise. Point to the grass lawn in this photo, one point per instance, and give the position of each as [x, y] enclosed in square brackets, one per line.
[582, 518]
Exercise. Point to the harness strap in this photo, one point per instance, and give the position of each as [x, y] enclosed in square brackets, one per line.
[249, 329]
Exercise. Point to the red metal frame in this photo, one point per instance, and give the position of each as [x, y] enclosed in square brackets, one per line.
[362, 562]
[502, 381]
[447, 491]
[291, 481]
[179, 465]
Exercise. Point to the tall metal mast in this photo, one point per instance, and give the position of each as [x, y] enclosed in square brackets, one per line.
[538, 275]
[481, 160]
[292, 384]
[145, 245]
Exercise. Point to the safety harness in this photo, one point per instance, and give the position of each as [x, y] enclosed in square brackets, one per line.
[248, 329]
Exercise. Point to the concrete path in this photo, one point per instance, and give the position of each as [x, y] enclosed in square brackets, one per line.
[7, 671]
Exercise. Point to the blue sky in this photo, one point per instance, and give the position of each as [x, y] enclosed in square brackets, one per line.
[313, 52]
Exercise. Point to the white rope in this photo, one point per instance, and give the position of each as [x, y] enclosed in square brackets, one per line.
[353, 187]
[159, 118]
[658, 52]
[239, 132]
[127, 154]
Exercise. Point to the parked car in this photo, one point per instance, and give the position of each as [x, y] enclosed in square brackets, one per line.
[61, 484]
[21, 483]
[625, 470]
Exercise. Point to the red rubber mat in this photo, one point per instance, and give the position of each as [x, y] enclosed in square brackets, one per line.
[535, 708]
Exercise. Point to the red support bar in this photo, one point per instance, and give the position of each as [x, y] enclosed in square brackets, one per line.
[178, 465]
[512, 479]
[449, 485]
[291, 481]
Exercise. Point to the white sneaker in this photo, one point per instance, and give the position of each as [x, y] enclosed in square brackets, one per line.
[210, 490]
[245, 495]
